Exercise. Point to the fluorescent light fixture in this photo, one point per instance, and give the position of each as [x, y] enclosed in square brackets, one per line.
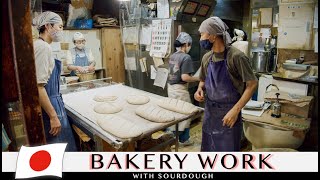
[123, 0]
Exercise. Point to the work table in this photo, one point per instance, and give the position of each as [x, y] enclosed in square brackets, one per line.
[278, 76]
[99, 71]
[286, 121]
[311, 141]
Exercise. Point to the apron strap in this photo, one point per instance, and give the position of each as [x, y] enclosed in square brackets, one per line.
[55, 96]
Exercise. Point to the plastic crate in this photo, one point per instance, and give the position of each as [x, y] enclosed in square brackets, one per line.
[83, 23]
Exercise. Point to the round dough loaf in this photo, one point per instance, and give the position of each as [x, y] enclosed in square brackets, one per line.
[137, 99]
[119, 127]
[104, 98]
[106, 108]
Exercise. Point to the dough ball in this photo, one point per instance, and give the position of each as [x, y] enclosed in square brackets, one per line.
[137, 99]
[106, 108]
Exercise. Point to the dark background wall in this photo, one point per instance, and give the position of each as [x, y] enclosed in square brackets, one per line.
[235, 13]
[110, 7]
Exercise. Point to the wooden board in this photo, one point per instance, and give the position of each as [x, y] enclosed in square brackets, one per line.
[296, 110]
[285, 121]
[112, 54]
[286, 54]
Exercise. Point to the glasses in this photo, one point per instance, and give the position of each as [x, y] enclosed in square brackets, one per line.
[79, 41]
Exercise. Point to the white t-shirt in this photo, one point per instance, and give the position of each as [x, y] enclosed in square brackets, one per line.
[71, 55]
[44, 60]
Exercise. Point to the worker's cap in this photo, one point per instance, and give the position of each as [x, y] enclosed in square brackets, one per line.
[184, 38]
[78, 36]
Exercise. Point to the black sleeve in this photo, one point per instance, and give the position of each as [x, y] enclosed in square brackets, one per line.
[187, 66]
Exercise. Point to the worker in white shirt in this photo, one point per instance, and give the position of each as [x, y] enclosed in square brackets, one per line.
[80, 58]
[56, 124]
[239, 41]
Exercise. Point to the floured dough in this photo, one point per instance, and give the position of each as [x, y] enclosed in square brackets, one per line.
[155, 113]
[104, 98]
[178, 106]
[106, 108]
[119, 127]
[137, 99]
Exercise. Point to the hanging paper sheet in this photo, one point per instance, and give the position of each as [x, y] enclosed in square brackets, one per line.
[143, 64]
[130, 63]
[161, 77]
[153, 72]
[145, 35]
[161, 36]
[157, 61]
[130, 35]
[163, 8]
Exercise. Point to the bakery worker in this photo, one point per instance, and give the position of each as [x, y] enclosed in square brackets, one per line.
[227, 83]
[56, 125]
[180, 74]
[80, 58]
[239, 41]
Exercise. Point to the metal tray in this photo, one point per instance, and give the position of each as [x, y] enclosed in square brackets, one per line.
[291, 66]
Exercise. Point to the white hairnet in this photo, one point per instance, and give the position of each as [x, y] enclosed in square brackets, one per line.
[184, 38]
[47, 17]
[215, 26]
[78, 36]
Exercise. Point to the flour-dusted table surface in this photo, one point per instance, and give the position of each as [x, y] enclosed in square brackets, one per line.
[79, 106]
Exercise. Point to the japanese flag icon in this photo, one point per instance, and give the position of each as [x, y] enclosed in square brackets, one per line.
[43, 160]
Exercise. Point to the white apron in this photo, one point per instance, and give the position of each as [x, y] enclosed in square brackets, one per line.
[180, 91]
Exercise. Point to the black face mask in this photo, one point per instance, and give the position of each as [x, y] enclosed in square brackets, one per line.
[206, 44]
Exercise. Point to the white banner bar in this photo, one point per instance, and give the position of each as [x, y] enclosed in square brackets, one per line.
[180, 162]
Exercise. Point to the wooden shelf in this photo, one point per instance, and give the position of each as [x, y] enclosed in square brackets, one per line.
[94, 28]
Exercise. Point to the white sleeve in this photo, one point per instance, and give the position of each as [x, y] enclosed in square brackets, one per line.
[44, 62]
[69, 58]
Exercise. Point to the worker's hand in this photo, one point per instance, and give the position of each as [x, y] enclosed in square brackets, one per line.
[55, 126]
[199, 95]
[81, 69]
[230, 118]
[91, 68]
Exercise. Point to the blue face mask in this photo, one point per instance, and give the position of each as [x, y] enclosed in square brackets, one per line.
[206, 44]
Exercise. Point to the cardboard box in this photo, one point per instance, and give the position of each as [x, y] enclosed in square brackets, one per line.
[304, 111]
[291, 108]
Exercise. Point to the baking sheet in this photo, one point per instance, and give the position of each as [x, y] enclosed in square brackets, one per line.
[83, 103]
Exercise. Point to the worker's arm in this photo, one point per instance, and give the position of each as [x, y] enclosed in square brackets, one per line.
[47, 106]
[92, 62]
[199, 95]
[76, 68]
[231, 117]
[91, 67]
[188, 78]
[70, 62]
[186, 68]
